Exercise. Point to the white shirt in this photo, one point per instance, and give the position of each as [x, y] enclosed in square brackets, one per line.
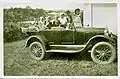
[63, 20]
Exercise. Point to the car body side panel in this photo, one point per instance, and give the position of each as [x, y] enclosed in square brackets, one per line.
[53, 37]
[95, 39]
[39, 38]
[67, 37]
[78, 36]
[84, 34]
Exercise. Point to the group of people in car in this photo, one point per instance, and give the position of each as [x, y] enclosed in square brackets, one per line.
[65, 20]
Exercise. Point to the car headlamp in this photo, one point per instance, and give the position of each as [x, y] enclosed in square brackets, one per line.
[106, 31]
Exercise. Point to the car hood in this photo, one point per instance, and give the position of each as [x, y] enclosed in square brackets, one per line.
[90, 29]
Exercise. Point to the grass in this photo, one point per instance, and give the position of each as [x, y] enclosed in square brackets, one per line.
[17, 62]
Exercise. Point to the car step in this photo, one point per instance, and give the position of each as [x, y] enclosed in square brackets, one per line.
[67, 47]
[63, 51]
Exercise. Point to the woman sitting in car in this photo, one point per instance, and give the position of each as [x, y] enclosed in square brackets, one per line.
[77, 18]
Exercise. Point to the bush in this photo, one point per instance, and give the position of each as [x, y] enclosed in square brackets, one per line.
[12, 32]
[13, 18]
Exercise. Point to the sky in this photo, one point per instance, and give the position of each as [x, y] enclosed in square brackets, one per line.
[47, 4]
[51, 4]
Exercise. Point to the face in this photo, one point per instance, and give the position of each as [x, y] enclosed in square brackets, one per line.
[62, 16]
[68, 14]
[56, 17]
[77, 11]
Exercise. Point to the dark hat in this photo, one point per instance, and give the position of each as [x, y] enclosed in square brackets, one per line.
[77, 9]
[67, 11]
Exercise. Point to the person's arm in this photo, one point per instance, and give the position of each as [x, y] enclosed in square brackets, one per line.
[53, 23]
[82, 18]
[71, 19]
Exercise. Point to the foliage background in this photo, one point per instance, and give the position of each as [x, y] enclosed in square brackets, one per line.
[12, 19]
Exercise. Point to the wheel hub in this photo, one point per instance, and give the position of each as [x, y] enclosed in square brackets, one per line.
[103, 53]
[37, 51]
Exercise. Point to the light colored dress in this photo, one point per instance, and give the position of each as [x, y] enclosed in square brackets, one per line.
[77, 20]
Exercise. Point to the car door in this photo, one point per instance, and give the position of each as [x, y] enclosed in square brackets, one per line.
[80, 36]
[67, 37]
[53, 36]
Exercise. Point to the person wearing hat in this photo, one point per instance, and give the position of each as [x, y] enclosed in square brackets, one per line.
[48, 22]
[41, 22]
[56, 22]
[63, 20]
[77, 18]
[69, 19]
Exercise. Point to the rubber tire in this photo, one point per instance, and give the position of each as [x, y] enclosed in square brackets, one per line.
[43, 51]
[113, 53]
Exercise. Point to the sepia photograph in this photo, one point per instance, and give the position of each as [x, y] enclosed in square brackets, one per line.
[67, 78]
[60, 38]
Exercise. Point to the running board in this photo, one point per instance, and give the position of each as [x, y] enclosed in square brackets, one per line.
[67, 47]
[63, 51]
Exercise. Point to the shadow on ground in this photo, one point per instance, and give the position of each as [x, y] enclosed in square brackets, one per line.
[73, 56]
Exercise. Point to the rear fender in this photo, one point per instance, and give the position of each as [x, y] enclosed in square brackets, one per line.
[38, 38]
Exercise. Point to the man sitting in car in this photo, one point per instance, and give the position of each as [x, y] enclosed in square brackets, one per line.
[35, 26]
[63, 20]
[69, 19]
[41, 23]
[48, 22]
[56, 22]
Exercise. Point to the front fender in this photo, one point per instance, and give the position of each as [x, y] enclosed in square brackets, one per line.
[39, 38]
[99, 38]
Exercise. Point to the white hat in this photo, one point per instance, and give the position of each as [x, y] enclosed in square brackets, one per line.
[61, 13]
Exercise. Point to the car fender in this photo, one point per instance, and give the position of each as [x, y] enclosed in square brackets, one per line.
[98, 38]
[39, 38]
[102, 36]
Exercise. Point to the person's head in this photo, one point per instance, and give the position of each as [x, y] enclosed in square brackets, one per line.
[56, 17]
[62, 15]
[41, 19]
[77, 11]
[68, 12]
[48, 18]
[37, 19]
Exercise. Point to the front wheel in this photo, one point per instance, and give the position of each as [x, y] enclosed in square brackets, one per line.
[103, 53]
[36, 51]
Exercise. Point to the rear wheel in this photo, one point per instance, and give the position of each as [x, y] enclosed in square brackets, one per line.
[103, 53]
[36, 51]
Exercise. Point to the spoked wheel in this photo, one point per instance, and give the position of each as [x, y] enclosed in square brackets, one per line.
[103, 53]
[36, 51]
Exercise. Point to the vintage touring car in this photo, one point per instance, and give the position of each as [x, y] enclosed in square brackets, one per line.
[98, 41]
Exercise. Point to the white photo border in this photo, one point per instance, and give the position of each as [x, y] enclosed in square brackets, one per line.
[59, 77]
